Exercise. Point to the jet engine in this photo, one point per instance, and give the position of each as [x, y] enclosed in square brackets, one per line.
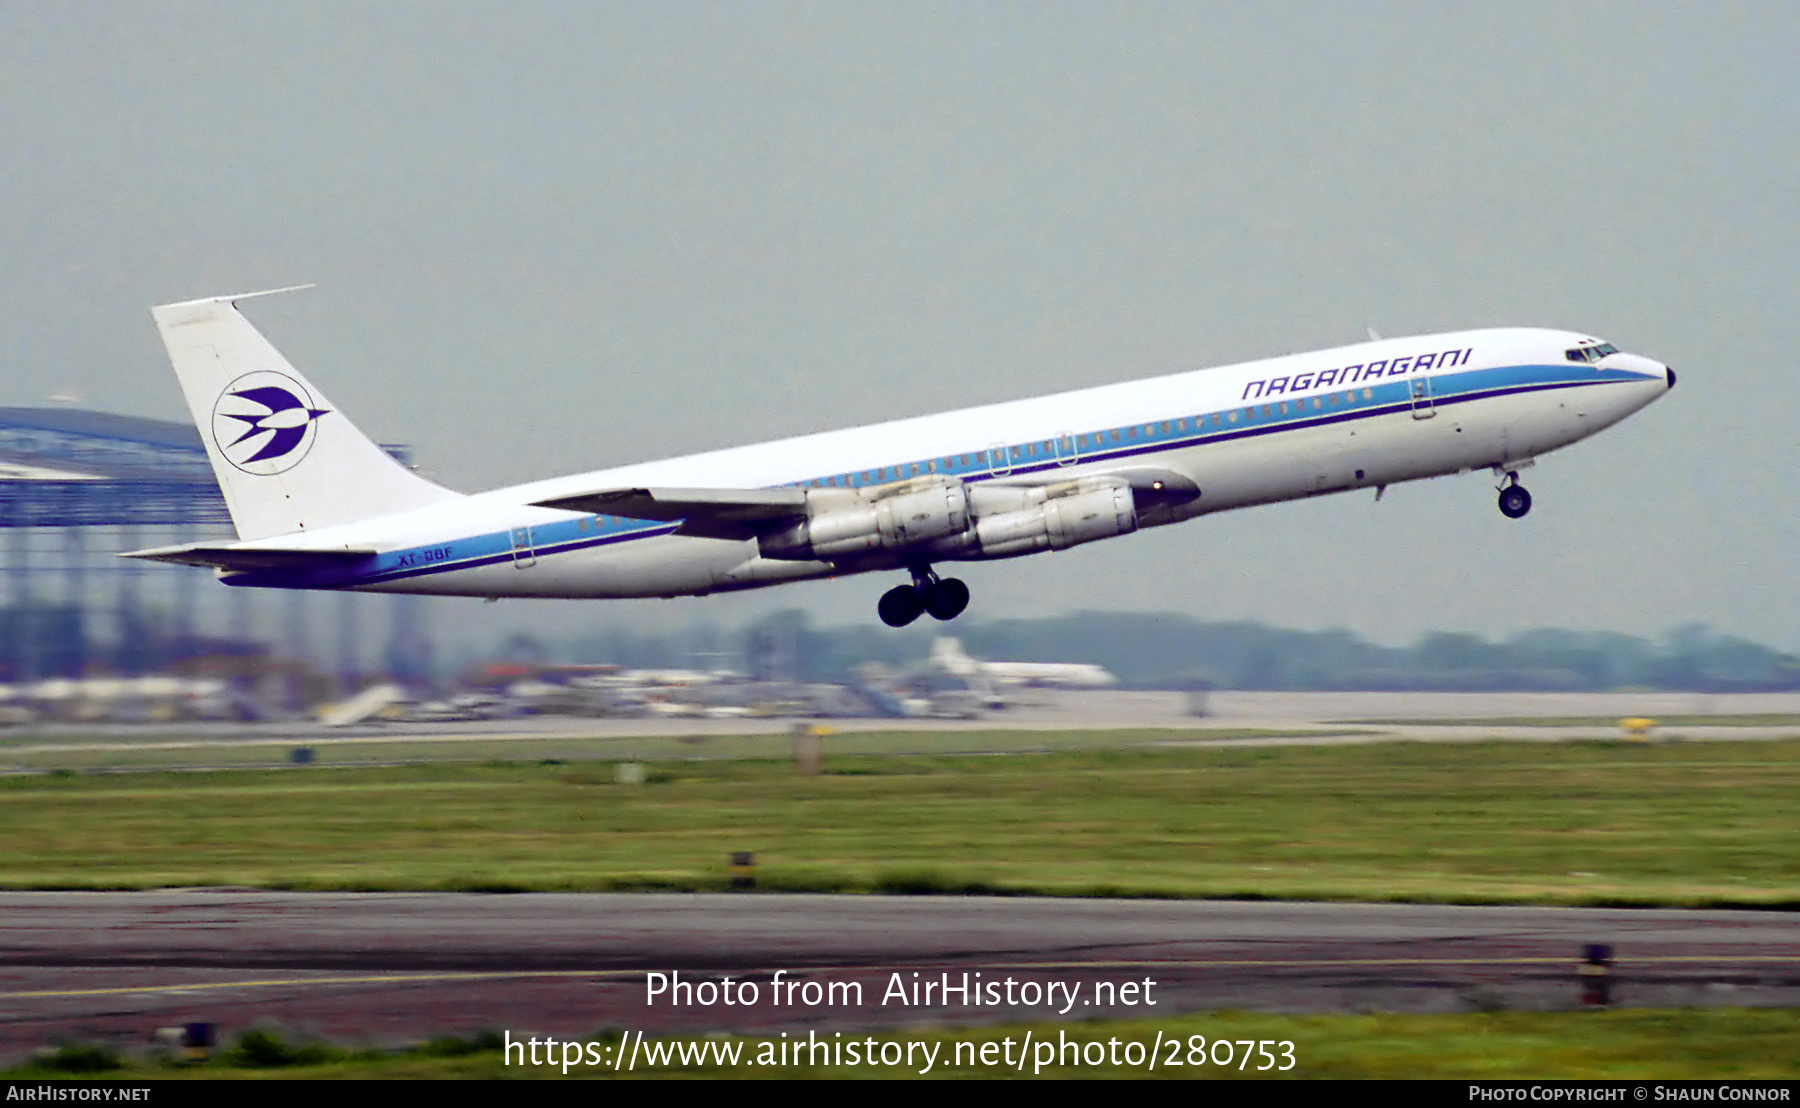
[948, 520]
[1052, 518]
[909, 515]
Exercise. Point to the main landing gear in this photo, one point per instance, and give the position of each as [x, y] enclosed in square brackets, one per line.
[1514, 500]
[944, 598]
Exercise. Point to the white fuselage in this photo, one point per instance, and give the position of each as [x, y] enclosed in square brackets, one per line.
[1360, 416]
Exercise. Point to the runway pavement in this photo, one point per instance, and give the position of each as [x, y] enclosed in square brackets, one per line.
[396, 967]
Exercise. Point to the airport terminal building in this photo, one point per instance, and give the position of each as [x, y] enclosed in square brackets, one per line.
[76, 488]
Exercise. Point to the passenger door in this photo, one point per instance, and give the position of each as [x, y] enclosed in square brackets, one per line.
[523, 556]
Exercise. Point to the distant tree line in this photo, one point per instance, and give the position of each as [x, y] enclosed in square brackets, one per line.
[1150, 651]
[1176, 651]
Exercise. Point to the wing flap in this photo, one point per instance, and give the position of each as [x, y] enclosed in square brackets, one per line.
[708, 513]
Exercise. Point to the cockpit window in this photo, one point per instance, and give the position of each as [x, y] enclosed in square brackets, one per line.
[1590, 353]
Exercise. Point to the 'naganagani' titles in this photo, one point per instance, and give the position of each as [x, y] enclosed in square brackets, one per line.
[1351, 374]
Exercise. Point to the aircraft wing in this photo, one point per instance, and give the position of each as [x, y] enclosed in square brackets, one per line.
[239, 559]
[708, 513]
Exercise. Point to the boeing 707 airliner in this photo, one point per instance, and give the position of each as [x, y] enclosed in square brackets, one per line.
[318, 505]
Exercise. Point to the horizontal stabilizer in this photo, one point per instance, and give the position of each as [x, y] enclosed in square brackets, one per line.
[240, 559]
[708, 513]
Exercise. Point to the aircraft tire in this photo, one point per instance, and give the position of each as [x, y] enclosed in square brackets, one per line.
[900, 606]
[947, 598]
[1514, 501]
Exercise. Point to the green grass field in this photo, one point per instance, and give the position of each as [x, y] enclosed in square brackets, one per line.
[1632, 1044]
[1581, 823]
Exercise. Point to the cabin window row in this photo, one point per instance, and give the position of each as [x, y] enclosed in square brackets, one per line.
[1046, 448]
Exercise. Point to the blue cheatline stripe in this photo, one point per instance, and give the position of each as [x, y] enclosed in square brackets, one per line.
[1022, 459]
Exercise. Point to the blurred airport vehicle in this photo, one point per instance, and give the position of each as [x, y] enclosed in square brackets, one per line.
[372, 701]
[160, 699]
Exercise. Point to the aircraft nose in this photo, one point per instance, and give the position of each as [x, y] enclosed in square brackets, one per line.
[1670, 370]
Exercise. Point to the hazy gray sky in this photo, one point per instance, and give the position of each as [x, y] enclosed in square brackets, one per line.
[553, 237]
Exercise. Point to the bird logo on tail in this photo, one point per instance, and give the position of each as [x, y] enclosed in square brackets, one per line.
[264, 423]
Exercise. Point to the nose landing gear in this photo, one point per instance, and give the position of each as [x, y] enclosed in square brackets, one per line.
[944, 598]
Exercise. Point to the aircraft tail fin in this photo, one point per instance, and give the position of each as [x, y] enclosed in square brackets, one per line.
[287, 460]
[948, 653]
